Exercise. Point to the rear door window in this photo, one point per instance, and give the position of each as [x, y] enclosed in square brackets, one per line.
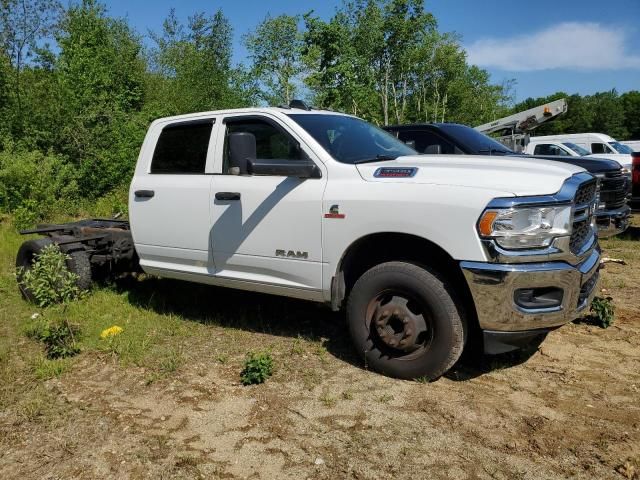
[182, 148]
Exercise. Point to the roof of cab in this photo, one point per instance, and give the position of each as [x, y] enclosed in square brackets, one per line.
[248, 111]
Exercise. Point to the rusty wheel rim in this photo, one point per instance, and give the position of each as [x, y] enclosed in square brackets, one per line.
[399, 325]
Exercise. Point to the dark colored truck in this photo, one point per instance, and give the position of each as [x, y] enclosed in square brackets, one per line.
[613, 212]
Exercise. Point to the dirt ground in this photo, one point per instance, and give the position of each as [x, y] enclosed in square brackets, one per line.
[567, 409]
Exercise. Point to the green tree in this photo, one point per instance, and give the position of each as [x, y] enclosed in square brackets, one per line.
[23, 25]
[631, 106]
[192, 66]
[275, 50]
[100, 73]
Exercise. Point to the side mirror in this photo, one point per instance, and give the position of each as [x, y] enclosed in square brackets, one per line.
[242, 150]
[284, 168]
[433, 149]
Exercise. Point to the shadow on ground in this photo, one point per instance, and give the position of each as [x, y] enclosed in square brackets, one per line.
[631, 233]
[284, 317]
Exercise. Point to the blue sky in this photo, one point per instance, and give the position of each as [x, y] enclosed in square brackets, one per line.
[578, 46]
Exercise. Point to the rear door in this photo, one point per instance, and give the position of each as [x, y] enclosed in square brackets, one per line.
[170, 198]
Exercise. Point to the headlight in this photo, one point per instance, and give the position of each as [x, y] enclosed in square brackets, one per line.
[529, 227]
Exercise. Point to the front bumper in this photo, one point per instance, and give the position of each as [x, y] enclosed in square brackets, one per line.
[493, 286]
[613, 222]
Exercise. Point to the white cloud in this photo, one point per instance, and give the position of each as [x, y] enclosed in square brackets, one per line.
[570, 45]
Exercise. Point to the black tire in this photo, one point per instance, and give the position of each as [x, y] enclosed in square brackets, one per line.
[78, 263]
[404, 321]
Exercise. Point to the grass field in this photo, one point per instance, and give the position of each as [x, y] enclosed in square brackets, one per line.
[163, 399]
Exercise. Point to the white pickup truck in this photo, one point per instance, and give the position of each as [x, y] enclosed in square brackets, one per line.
[422, 251]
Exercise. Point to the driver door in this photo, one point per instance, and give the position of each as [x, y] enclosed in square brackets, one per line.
[267, 228]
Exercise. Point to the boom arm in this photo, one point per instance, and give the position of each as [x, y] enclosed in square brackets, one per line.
[523, 122]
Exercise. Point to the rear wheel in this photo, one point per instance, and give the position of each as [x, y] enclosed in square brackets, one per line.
[78, 263]
[404, 322]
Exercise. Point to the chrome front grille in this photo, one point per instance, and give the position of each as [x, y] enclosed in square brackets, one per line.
[583, 215]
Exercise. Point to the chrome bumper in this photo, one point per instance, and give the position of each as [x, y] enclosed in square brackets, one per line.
[494, 285]
[613, 222]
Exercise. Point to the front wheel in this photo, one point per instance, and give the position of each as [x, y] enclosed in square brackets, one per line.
[404, 322]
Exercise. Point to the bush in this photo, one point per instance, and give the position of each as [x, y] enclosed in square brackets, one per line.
[257, 368]
[114, 202]
[59, 337]
[602, 311]
[32, 183]
[27, 215]
[49, 279]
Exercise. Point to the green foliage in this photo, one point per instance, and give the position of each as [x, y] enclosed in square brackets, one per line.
[26, 215]
[113, 203]
[58, 336]
[258, 366]
[49, 279]
[34, 182]
[275, 48]
[602, 311]
[603, 112]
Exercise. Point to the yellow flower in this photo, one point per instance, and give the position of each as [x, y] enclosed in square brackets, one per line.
[111, 332]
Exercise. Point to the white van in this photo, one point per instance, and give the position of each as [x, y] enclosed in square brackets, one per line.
[581, 144]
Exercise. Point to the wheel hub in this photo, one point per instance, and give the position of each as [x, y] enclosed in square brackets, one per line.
[397, 325]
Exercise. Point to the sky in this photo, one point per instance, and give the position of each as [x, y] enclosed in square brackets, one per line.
[575, 46]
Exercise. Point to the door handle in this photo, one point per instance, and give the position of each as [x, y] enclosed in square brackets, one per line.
[144, 193]
[227, 196]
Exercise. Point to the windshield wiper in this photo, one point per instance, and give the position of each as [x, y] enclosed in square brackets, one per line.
[377, 158]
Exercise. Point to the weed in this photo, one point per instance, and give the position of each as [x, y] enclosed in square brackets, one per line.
[328, 400]
[49, 279]
[347, 395]
[223, 358]
[602, 311]
[422, 379]
[297, 348]
[44, 368]
[257, 368]
[386, 398]
[58, 336]
[170, 361]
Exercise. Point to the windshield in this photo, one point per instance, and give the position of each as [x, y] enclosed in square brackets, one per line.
[620, 148]
[475, 141]
[351, 140]
[577, 148]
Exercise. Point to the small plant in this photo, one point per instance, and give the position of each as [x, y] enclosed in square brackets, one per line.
[257, 368]
[59, 337]
[602, 311]
[328, 400]
[49, 279]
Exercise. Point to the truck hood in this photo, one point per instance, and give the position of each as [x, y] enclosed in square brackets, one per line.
[590, 164]
[513, 175]
[624, 159]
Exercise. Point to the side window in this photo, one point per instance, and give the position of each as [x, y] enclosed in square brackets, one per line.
[272, 143]
[182, 148]
[544, 149]
[600, 148]
[424, 139]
